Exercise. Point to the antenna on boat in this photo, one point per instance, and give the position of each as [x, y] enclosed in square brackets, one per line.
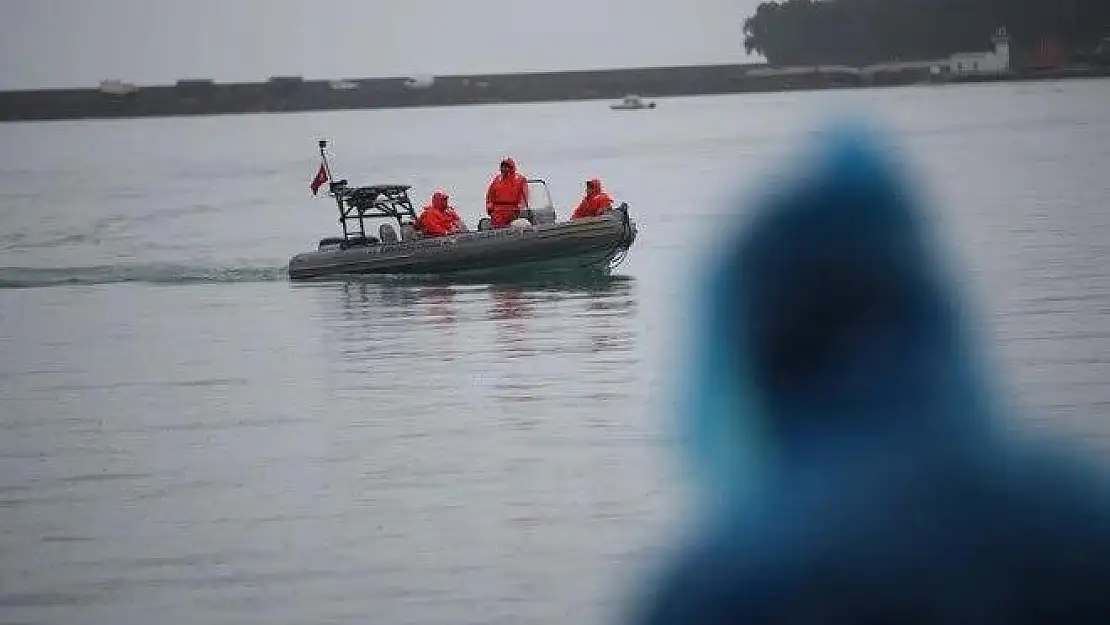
[323, 143]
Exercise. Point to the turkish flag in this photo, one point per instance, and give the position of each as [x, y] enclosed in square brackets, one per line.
[320, 179]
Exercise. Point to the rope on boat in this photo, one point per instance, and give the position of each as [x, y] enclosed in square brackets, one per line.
[619, 253]
[616, 254]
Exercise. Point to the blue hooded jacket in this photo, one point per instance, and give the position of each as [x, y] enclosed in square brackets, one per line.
[843, 432]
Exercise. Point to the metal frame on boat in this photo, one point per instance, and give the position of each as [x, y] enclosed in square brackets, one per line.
[543, 246]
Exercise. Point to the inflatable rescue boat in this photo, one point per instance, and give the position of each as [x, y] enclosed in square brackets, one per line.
[535, 244]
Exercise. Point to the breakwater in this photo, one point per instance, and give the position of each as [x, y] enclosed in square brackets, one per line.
[291, 94]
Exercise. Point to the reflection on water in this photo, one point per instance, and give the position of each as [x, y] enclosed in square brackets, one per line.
[440, 301]
[510, 309]
[382, 300]
[609, 318]
[509, 302]
[513, 344]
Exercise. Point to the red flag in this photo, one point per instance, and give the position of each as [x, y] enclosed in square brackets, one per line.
[320, 179]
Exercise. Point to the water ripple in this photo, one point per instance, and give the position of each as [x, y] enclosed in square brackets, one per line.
[275, 452]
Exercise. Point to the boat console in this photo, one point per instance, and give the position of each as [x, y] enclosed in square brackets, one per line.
[392, 201]
[542, 212]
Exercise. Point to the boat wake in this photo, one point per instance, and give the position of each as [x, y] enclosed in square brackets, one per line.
[151, 273]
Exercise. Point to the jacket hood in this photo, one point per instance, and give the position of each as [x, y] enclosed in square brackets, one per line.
[511, 163]
[593, 186]
[439, 200]
[826, 327]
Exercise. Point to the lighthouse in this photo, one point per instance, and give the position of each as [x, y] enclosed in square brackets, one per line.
[1001, 41]
[997, 61]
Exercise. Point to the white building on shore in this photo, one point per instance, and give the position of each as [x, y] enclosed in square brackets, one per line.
[117, 87]
[997, 61]
[994, 62]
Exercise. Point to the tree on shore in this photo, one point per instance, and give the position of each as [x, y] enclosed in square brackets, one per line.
[859, 32]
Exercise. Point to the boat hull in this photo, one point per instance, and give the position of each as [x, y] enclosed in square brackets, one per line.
[579, 246]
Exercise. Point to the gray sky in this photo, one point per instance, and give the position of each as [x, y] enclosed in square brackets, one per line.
[68, 43]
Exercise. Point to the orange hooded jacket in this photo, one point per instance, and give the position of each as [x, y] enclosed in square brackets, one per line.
[594, 203]
[507, 194]
[438, 219]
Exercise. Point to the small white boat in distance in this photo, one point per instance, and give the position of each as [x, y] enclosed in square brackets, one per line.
[632, 102]
[421, 81]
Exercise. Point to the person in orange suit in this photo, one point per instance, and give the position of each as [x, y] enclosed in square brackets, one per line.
[439, 219]
[595, 202]
[507, 195]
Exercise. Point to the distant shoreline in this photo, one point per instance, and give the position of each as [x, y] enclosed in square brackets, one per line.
[291, 94]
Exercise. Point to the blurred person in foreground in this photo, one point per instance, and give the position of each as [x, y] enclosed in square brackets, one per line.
[843, 432]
